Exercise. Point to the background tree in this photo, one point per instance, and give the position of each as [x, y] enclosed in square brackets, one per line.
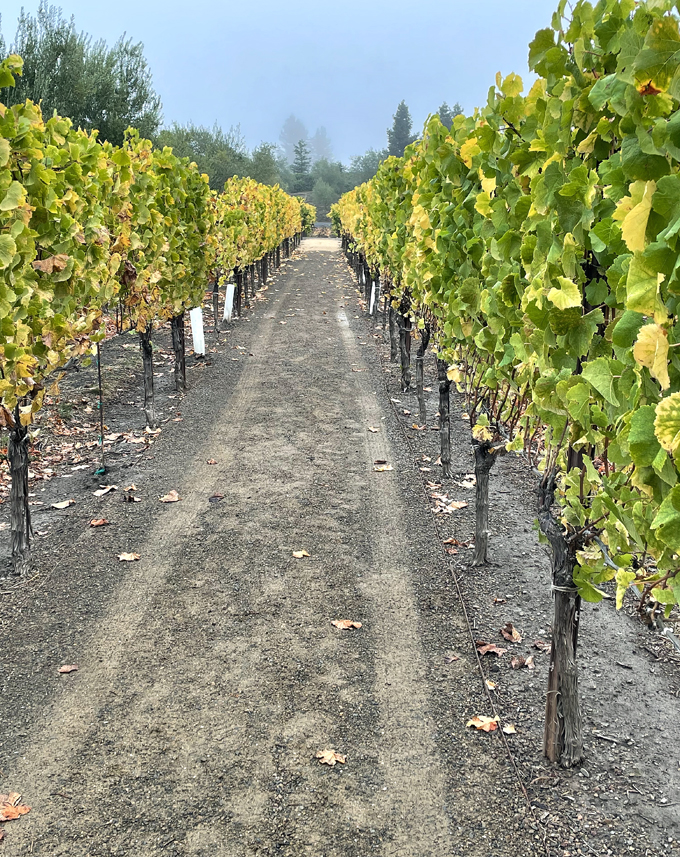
[399, 135]
[446, 114]
[362, 168]
[323, 196]
[321, 145]
[292, 132]
[97, 87]
[301, 166]
[263, 166]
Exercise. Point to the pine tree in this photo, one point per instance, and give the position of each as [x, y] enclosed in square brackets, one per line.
[446, 114]
[301, 166]
[399, 135]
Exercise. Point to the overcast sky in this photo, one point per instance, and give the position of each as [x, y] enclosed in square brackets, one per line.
[345, 65]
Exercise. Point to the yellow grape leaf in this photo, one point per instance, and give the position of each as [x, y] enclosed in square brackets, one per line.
[667, 422]
[568, 295]
[634, 212]
[651, 350]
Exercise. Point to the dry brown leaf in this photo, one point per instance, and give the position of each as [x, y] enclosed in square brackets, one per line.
[517, 662]
[99, 522]
[382, 468]
[452, 542]
[345, 624]
[51, 264]
[330, 757]
[211, 461]
[170, 497]
[484, 724]
[418, 428]
[541, 645]
[489, 648]
[373, 430]
[490, 684]
[63, 504]
[128, 557]
[529, 663]
[300, 554]
[11, 807]
[510, 633]
[509, 729]
[68, 668]
[457, 504]
[105, 489]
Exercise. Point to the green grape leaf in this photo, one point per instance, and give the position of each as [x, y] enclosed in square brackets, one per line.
[13, 198]
[7, 250]
[644, 446]
[598, 373]
[658, 64]
[626, 329]
[667, 520]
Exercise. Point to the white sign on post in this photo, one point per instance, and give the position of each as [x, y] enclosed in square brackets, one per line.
[228, 302]
[196, 316]
[370, 310]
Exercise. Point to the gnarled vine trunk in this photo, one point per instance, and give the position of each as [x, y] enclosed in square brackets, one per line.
[420, 359]
[19, 510]
[147, 360]
[444, 417]
[405, 351]
[394, 334]
[563, 734]
[178, 346]
[486, 455]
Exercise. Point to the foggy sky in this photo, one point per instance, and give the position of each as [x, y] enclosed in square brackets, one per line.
[342, 65]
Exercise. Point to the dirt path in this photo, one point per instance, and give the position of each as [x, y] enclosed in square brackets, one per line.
[209, 672]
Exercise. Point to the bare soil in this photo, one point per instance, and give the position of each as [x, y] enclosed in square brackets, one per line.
[209, 673]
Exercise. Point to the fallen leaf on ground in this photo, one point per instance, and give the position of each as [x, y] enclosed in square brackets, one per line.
[451, 542]
[215, 498]
[128, 498]
[484, 724]
[11, 807]
[63, 504]
[380, 461]
[128, 557]
[132, 487]
[373, 430]
[300, 554]
[490, 684]
[517, 662]
[68, 668]
[99, 522]
[345, 624]
[330, 757]
[105, 489]
[450, 658]
[541, 645]
[489, 648]
[170, 497]
[457, 504]
[510, 633]
[382, 468]
[499, 601]
[418, 428]
[509, 729]
[211, 461]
